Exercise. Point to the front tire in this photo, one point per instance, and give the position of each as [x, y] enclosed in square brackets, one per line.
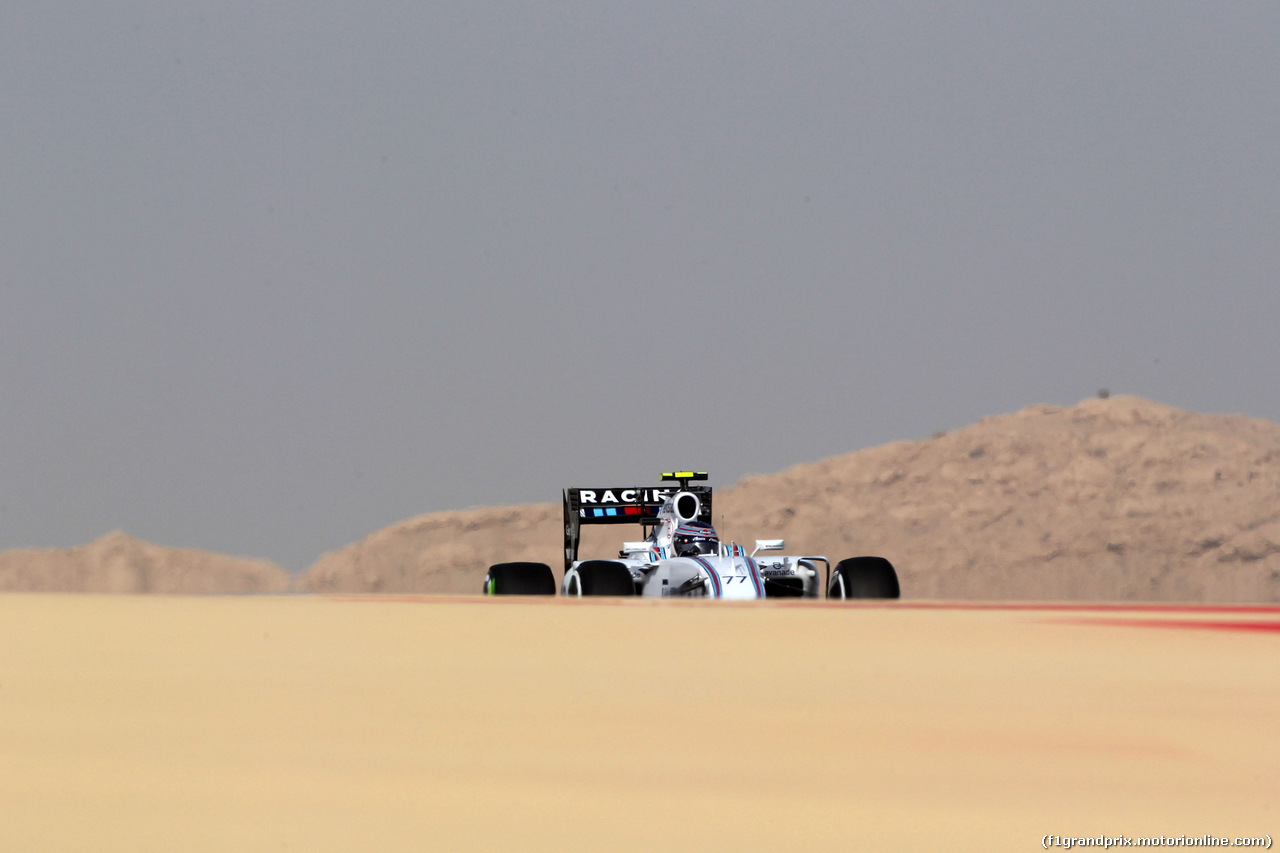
[519, 579]
[599, 577]
[864, 577]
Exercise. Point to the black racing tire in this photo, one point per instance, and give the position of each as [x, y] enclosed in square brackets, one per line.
[600, 577]
[864, 577]
[520, 579]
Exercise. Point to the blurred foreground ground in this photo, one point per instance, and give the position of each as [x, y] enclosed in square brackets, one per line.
[310, 723]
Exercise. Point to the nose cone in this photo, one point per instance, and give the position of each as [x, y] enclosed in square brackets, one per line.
[735, 578]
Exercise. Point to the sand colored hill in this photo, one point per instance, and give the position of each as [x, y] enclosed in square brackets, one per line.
[443, 551]
[1111, 499]
[120, 563]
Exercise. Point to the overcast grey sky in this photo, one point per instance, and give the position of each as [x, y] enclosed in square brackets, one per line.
[277, 275]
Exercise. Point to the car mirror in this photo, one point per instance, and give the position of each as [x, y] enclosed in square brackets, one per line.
[769, 545]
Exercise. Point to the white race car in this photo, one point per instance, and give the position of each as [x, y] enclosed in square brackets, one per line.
[681, 555]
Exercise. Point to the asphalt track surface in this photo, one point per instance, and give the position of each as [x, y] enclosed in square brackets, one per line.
[431, 723]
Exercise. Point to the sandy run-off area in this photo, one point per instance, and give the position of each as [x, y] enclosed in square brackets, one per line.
[1112, 499]
[318, 723]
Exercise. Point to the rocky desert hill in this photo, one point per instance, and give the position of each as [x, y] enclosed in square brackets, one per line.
[1111, 499]
[120, 563]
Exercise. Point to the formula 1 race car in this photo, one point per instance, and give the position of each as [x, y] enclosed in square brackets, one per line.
[681, 555]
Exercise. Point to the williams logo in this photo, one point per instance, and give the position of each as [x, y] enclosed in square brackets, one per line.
[604, 497]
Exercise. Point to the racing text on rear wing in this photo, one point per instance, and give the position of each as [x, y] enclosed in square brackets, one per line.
[620, 505]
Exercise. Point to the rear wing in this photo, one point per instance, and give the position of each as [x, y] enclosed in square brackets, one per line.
[621, 505]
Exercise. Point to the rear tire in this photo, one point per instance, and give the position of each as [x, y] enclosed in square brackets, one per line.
[520, 579]
[864, 577]
[599, 577]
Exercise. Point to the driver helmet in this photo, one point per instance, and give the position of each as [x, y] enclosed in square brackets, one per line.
[695, 538]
